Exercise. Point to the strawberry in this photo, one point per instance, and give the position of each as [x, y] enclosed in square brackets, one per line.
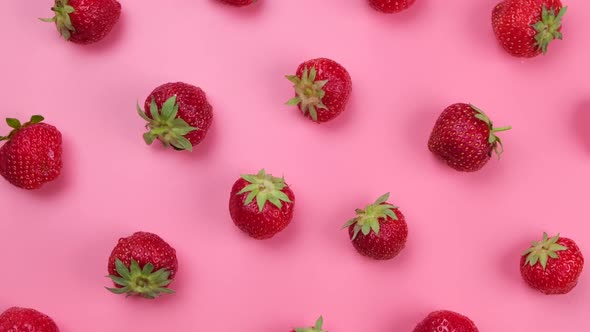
[261, 205]
[179, 115]
[17, 319]
[316, 328]
[31, 156]
[239, 3]
[525, 28]
[552, 265]
[142, 265]
[464, 137]
[379, 231]
[445, 320]
[391, 6]
[322, 89]
[85, 21]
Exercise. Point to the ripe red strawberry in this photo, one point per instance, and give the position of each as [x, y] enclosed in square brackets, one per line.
[379, 231]
[261, 205]
[391, 6]
[31, 156]
[447, 321]
[142, 264]
[85, 21]
[525, 28]
[316, 328]
[465, 137]
[552, 265]
[179, 115]
[322, 89]
[17, 319]
[239, 3]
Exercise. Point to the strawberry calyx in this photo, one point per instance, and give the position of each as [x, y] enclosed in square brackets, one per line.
[493, 139]
[16, 125]
[367, 220]
[166, 126]
[316, 328]
[62, 18]
[548, 28]
[541, 251]
[309, 92]
[264, 187]
[137, 281]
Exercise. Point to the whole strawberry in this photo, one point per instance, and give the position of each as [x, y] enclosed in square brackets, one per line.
[465, 137]
[85, 21]
[261, 205]
[17, 319]
[391, 6]
[239, 3]
[316, 328]
[142, 265]
[31, 156]
[322, 89]
[379, 231]
[445, 320]
[179, 115]
[552, 265]
[525, 28]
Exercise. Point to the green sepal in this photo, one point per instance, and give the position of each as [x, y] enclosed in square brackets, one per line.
[548, 28]
[493, 139]
[309, 92]
[316, 328]
[367, 220]
[541, 251]
[16, 125]
[137, 281]
[62, 19]
[165, 126]
[264, 188]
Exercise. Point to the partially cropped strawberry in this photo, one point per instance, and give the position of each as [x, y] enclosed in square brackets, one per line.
[316, 328]
[322, 89]
[525, 28]
[31, 156]
[465, 137]
[261, 205]
[179, 115]
[379, 231]
[552, 265]
[17, 319]
[446, 321]
[85, 21]
[142, 265]
[391, 6]
[239, 3]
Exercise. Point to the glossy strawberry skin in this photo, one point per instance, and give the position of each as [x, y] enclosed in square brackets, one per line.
[193, 107]
[512, 22]
[392, 238]
[239, 3]
[444, 320]
[391, 6]
[144, 248]
[259, 225]
[560, 275]
[32, 156]
[93, 19]
[17, 319]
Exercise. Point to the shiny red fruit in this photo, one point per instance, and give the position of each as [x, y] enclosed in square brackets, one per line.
[446, 321]
[17, 319]
[239, 3]
[391, 6]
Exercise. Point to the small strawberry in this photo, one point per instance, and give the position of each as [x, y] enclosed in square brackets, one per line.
[261, 205]
[179, 115]
[525, 28]
[31, 156]
[322, 89]
[464, 137]
[391, 6]
[316, 328]
[143, 265]
[85, 21]
[239, 3]
[445, 320]
[379, 231]
[24, 319]
[552, 265]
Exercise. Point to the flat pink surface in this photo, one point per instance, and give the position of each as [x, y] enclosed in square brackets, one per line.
[466, 230]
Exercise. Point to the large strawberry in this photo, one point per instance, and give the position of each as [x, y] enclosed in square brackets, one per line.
[261, 205]
[239, 3]
[525, 28]
[322, 89]
[446, 321]
[31, 156]
[465, 137]
[17, 319]
[379, 231]
[85, 21]
[142, 265]
[316, 328]
[179, 115]
[391, 6]
[552, 265]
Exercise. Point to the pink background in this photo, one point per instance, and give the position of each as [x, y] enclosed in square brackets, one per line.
[466, 230]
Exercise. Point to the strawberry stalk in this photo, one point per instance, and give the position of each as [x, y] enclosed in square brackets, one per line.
[316, 328]
[548, 28]
[309, 92]
[367, 220]
[264, 187]
[16, 125]
[139, 281]
[493, 139]
[62, 18]
[541, 251]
